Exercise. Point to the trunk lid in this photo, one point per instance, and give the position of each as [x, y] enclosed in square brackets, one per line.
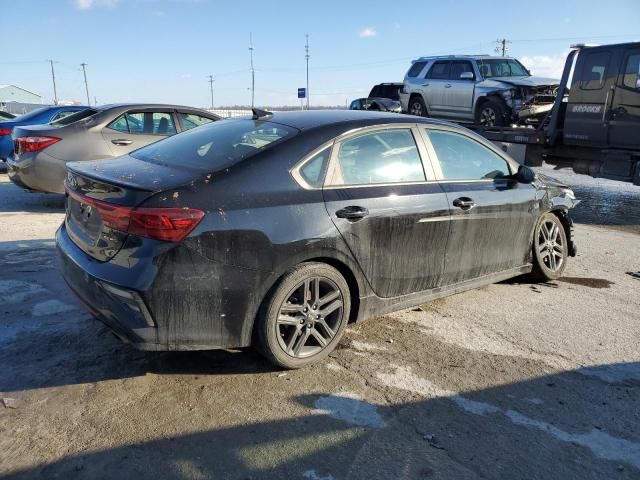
[96, 189]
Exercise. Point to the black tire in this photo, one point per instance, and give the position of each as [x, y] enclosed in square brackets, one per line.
[417, 107]
[550, 249]
[490, 113]
[291, 323]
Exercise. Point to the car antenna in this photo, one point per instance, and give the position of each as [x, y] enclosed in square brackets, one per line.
[257, 113]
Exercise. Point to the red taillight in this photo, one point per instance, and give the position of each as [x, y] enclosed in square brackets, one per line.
[168, 224]
[35, 144]
[5, 131]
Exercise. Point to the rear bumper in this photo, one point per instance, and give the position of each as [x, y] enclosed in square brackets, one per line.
[123, 310]
[37, 173]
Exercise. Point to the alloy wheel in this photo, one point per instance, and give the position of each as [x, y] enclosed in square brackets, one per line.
[310, 317]
[549, 245]
[416, 109]
[488, 117]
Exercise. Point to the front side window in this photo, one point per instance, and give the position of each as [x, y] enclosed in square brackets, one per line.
[458, 68]
[145, 123]
[439, 70]
[191, 120]
[385, 156]
[631, 78]
[463, 158]
[594, 71]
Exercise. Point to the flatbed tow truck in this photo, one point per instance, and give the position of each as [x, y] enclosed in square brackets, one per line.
[593, 126]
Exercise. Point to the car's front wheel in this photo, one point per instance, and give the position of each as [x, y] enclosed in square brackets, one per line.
[304, 317]
[417, 107]
[490, 114]
[550, 249]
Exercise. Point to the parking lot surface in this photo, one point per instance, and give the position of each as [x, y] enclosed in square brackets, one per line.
[512, 381]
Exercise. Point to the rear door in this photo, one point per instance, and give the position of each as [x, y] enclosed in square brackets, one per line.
[624, 123]
[492, 214]
[381, 196]
[137, 128]
[435, 88]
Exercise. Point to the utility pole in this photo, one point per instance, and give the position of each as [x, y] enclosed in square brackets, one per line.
[501, 46]
[253, 72]
[53, 78]
[306, 56]
[211, 80]
[86, 85]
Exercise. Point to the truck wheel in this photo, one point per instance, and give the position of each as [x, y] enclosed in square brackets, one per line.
[303, 319]
[417, 107]
[550, 249]
[490, 114]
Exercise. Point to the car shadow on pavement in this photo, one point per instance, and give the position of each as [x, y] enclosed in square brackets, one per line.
[16, 199]
[567, 425]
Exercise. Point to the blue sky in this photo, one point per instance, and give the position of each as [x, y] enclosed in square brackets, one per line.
[164, 50]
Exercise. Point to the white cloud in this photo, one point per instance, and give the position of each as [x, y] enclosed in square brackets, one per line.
[545, 65]
[368, 32]
[87, 4]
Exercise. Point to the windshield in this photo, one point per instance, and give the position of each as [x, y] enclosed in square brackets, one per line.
[33, 114]
[502, 67]
[69, 119]
[215, 145]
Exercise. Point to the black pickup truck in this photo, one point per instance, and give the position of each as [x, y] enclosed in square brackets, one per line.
[594, 125]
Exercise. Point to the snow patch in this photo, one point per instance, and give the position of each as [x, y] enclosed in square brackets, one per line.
[15, 291]
[367, 347]
[51, 307]
[312, 475]
[350, 408]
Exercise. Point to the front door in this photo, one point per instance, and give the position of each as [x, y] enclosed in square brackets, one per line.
[492, 214]
[136, 129]
[394, 222]
[435, 88]
[624, 123]
[459, 93]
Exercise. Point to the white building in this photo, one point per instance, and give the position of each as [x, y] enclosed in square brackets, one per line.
[11, 93]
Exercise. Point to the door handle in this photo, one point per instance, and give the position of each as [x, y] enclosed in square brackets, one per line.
[465, 203]
[121, 141]
[447, 85]
[352, 213]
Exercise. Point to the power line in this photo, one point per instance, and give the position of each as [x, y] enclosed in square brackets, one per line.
[501, 46]
[86, 85]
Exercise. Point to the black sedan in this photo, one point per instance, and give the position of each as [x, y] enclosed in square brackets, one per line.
[278, 230]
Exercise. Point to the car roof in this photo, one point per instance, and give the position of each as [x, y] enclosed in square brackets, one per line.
[110, 106]
[462, 57]
[304, 120]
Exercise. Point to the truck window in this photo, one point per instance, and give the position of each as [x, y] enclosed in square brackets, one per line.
[415, 69]
[439, 70]
[594, 71]
[631, 77]
[458, 68]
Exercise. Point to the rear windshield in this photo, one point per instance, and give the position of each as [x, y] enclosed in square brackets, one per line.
[215, 145]
[69, 119]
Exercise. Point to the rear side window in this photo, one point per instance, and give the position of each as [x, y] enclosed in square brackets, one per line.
[191, 120]
[216, 145]
[385, 156]
[463, 158]
[415, 69]
[145, 123]
[631, 76]
[594, 71]
[386, 91]
[313, 169]
[439, 70]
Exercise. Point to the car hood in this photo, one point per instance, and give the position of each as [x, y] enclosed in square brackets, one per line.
[527, 81]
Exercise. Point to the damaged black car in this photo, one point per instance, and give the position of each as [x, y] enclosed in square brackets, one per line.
[277, 231]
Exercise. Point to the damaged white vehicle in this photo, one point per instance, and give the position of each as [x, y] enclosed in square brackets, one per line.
[481, 89]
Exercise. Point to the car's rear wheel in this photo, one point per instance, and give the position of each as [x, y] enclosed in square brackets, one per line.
[304, 317]
[550, 249]
[417, 107]
[490, 114]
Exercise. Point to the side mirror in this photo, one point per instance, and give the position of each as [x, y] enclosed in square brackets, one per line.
[525, 174]
[467, 76]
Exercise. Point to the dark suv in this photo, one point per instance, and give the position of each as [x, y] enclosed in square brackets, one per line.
[384, 97]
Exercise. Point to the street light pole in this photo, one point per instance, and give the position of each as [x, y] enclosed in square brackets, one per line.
[211, 80]
[253, 73]
[306, 48]
[53, 78]
[86, 85]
